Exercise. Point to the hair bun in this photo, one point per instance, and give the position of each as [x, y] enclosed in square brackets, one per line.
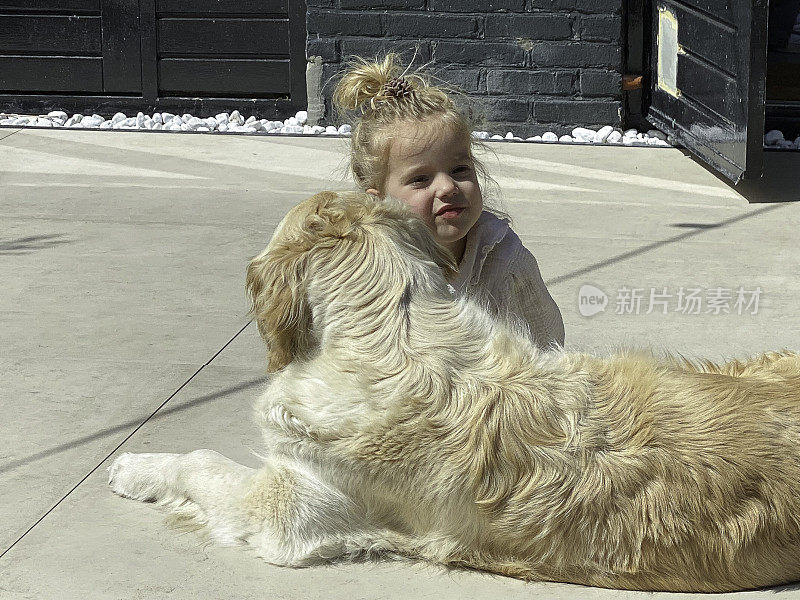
[365, 81]
[398, 87]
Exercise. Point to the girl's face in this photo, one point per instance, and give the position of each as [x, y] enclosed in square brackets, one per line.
[433, 173]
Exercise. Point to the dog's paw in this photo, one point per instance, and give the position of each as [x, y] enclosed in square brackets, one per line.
[144, 477]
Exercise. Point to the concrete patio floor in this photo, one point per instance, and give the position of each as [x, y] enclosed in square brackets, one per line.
[122, 259]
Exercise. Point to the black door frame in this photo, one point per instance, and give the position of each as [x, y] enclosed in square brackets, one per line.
[148, 100]
[783, 115]
[642, 14]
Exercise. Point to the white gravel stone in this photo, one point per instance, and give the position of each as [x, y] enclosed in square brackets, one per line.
[786, 144]
[602, 134]
[582, 133]
[234, 122]
[773, 137]
[192, 123]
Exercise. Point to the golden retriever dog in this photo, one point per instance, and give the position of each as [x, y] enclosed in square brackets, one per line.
[401, 420]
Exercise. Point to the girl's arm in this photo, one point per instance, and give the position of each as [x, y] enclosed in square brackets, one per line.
[530, 300]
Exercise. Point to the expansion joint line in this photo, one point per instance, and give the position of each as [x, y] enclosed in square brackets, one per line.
[129, 436]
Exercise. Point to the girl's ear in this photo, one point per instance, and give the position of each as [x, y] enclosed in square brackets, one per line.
[374, 192]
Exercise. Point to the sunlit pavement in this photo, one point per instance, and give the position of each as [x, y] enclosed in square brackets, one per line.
[124, 326]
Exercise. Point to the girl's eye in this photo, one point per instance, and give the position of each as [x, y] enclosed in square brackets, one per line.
[462, 169]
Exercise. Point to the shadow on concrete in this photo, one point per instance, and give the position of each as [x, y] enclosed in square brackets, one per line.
[26, 245]
[122, 427]
[696, 225]
[698, 228]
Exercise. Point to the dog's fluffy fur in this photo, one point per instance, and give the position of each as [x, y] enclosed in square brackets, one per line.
[400, 420]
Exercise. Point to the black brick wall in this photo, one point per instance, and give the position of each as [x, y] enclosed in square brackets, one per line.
[532, 65]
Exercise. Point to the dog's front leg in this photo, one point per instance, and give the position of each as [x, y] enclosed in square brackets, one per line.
[202, 485]
[284, 510]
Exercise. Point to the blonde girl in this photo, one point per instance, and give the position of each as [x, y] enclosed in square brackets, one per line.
[411, 141]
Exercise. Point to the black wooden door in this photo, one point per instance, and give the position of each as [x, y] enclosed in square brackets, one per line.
[708, 71]
[178, 55]
[84, 46]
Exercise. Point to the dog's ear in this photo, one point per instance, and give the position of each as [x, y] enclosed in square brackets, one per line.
[276, 285]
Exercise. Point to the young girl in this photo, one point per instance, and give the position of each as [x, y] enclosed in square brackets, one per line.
[411, 142]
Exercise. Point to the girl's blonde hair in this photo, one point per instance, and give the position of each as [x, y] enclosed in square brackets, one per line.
[379, 95]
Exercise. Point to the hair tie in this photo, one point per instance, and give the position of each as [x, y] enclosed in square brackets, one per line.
[398, 87]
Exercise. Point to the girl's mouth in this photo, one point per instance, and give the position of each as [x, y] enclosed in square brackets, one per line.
[450, 212]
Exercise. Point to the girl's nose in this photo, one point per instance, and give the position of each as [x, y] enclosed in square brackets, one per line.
[446, 187]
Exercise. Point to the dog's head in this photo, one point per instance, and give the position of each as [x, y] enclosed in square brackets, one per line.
[331, 239]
